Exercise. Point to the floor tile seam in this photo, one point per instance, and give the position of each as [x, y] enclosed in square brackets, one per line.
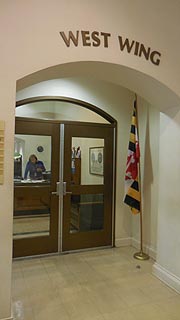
[159, 310]
[170, 301]
[36, 314]
[38, 308]
[170, 293]
[126, 298]
[94, 309]
[95, 301]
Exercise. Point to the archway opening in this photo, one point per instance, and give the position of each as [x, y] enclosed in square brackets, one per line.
[97, 83]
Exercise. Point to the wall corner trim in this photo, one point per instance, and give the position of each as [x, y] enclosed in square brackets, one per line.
[147, 249]
[167, 277]
[123, 242]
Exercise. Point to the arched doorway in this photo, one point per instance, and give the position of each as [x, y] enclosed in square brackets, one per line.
[70, 207]
[157, 94]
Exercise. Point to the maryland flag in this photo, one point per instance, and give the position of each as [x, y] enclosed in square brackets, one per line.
[132, 193]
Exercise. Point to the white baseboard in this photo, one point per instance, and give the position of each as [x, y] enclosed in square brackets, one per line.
[123, 242]
[161, 273]
[167, 277]
[147, 249]
[11, 318]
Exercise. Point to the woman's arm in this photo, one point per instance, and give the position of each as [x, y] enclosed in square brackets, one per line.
[26, 171]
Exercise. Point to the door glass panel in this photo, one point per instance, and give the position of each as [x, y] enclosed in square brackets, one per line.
[24, 147]
[87, 212]
[87, 165]
[31, 215]
[32, 177]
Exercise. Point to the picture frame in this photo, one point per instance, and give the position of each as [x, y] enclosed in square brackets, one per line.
[96, 161]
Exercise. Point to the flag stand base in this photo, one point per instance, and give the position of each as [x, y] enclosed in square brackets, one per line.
[141, 256]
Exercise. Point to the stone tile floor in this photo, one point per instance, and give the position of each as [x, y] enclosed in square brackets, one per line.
[106, 284]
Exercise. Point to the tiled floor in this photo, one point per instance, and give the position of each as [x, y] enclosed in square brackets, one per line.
[96, 285]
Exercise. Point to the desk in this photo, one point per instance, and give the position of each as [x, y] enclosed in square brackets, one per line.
[30, 198]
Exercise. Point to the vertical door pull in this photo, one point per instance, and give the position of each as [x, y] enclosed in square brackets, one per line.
[59, 189]
[64, 189]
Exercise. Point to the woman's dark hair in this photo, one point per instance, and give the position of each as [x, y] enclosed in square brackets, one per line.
[32, 155]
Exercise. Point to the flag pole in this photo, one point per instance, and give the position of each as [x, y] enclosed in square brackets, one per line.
[140, 255]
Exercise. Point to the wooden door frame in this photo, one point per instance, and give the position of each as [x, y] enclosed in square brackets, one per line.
[105, 236]
[100, 112]
[47, 244]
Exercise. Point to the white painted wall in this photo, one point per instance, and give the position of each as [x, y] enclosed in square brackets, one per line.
[38, 45]
[85, 144]
[57, 110]
[169, 193]
[8, 94]
[30, 44]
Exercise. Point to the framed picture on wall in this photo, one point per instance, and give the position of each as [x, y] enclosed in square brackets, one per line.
[96, 160]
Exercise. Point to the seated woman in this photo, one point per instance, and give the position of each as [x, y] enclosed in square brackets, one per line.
[34, 168]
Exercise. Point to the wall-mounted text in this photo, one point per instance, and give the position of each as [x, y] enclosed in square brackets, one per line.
[97, 39]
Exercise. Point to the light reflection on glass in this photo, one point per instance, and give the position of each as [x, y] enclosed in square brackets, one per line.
[32, 186]
[84, 171]
[87, 212]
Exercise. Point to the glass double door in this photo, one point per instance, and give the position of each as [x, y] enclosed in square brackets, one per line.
[63, 186]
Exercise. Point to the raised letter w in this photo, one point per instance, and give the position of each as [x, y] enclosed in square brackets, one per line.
[71, 37]
[125, 44]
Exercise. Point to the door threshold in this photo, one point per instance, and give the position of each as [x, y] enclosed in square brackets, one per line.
[87, 249]
[62, 253]
[37, 256]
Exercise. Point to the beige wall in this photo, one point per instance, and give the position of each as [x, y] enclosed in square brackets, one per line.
[85, 144]
[169, 193]
[30, 44]
[8, 94]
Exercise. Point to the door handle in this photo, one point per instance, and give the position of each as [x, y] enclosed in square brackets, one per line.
[61, 189]
[64, 189]
[54, 192]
